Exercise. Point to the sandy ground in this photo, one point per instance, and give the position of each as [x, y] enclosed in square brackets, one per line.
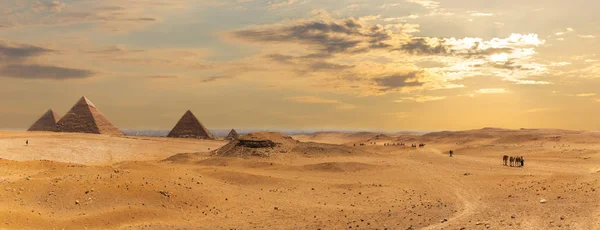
[101, 182]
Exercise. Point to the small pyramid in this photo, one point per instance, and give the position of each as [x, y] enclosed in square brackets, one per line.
[233, 135]
[47, 122]
[84, 117]
[189, 127]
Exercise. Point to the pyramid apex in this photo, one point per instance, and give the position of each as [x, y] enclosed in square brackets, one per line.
[84, 101]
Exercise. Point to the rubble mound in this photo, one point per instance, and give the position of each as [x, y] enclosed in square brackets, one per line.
[257, 144]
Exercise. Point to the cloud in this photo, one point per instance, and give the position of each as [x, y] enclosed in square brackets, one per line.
[529, 82]
[492, 91]
[215, 78]
[586, 36]
[162, 77]
[421, 99]
[541, 110]
[355, 56]
[400, 80]
[479, 14]
[345, 106]
[328, 66]
[286, 59]
[328, 37]
[558, 64]
[317, 100]
[43, 72]
[273, 5]
[55, 6]
[397, 114]
[20, 52]
[108, 15]
[426, 46]
[313, 100]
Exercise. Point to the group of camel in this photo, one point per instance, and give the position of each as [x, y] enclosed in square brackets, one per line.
[420, 145]
[514, 161]
[393, 144]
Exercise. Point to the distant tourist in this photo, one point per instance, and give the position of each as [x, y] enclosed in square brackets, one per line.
[26, 142]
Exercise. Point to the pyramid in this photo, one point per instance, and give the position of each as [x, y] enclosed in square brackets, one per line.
[233, 135]
[84, 117]
[189, 127]
[46, 123]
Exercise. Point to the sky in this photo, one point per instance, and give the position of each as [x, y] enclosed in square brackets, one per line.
[305, 64]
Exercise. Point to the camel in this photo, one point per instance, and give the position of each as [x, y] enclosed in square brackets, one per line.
[517, 161]
[512, 161]
[421, 145]
[505, 159]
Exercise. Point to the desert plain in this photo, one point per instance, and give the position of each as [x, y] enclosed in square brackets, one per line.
[323, 180]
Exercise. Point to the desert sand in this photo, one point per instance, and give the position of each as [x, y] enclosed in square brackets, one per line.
[310, 181]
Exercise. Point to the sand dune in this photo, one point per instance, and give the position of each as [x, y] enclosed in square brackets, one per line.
[103, 182]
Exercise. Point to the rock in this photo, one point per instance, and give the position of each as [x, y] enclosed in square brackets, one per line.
[543, 201]
[164, 193]
[77, 202]
[512, 217]
[276, 208]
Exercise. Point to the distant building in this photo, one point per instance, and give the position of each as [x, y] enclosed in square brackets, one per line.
[233, 135]
[84, 117]
[47, 122]
[190, 127]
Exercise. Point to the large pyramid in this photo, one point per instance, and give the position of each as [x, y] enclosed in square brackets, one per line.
[46, 123]
[84, 117]
[233, 135]
[189, 127]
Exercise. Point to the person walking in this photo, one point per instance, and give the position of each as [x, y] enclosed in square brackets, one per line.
[26, 142]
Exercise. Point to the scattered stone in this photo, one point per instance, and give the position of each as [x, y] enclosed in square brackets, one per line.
[164, 193]
[543, 201]
[77, 202]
